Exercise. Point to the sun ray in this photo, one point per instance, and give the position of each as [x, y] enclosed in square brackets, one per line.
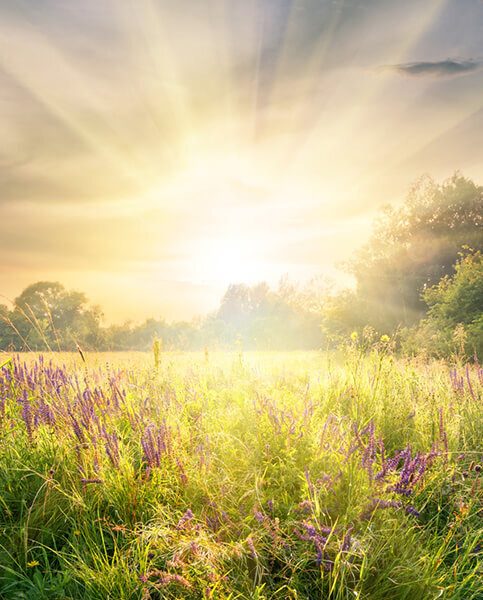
[26, 47]
[352, 119]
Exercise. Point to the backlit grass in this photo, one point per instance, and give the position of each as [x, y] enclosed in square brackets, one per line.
[231, 475]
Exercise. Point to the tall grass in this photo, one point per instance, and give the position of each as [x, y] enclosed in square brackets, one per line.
[229, 476]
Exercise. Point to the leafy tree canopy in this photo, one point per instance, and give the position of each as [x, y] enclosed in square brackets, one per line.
[454, 323]
[47, 315]
[415, 245]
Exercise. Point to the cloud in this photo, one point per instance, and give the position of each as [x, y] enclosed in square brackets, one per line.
[440, 68]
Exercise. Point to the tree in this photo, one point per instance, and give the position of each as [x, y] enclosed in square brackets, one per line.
[47, 316]
[236, 305]
[454, 323]
[6, 331]
[286, 318]
[343, 313]
[414, 246]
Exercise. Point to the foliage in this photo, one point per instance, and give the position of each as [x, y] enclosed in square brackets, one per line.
[6, 331]
[47, 316]
[454, 323]
[240, 476]
[343, 313]
[414, 246]
[287, 318]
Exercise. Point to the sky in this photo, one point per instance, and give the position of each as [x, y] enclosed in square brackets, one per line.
[153, 151]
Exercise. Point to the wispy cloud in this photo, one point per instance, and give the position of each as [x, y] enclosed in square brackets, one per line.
[439, 68]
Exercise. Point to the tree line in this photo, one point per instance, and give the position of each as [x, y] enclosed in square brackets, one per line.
[47, 316]
[419, 281]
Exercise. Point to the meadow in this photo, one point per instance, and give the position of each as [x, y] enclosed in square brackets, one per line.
[348, 475]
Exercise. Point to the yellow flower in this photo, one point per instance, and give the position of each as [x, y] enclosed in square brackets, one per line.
[385, 339]
[76, 532]
[354, 336]
[33, 563]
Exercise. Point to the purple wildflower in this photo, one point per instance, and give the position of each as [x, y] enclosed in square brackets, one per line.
[251, 547]
[154, 442]
[27, 414]
[111, 444]
[185, 519]
[346, 542]
[410, 510]
[306, 506]
[259, 516]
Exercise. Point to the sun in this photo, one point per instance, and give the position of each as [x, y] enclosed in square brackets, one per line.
[221, 201]
[221, 261]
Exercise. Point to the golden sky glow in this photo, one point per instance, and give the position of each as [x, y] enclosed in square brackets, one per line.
[153, 152]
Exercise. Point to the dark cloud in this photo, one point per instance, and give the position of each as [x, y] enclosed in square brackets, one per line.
[439, 68]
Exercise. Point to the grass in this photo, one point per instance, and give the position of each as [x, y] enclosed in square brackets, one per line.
[239, 476]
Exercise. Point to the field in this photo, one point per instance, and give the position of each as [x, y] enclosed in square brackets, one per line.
[240, 476]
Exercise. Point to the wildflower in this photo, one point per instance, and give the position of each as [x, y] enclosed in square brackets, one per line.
[259, 516]
[306, 506]
[86, 481]
[251, 547]
[311, 531]
[188, 515]
[410, 510]
[182, 473]
[346, 542]
[354, 336]
[155, 442]
[33, 563]
[320, 553]
[377, 503]
[195, 548]
[111, 444]
[175, 562]
[164, 579]
[476, 549]
[213, 522]
[27, 414]
[77, 429]
[385, 338]
[308, 479]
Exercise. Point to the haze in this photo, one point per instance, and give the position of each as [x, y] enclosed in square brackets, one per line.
[153, 152]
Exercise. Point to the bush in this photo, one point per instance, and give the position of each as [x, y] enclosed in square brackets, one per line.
[454, 322]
